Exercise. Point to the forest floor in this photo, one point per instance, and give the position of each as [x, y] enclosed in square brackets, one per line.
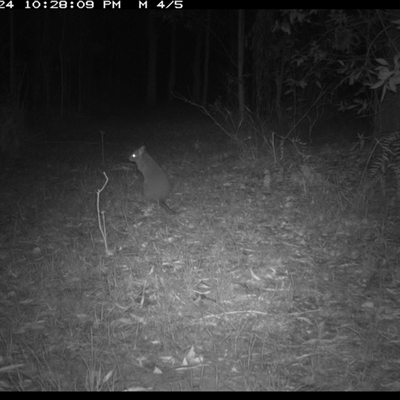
[260, 282]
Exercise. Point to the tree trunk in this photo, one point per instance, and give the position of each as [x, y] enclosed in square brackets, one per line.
[266, 69]
[240, 63]
[387, 117]
[151, 97]
[196, 68]
[62, 72]
[12, 56]
[206, 59]
[172, 65]
[80, 66]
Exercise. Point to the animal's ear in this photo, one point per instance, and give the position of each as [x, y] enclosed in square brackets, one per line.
[141, 151]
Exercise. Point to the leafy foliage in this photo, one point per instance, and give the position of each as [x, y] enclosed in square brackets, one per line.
[340, 53]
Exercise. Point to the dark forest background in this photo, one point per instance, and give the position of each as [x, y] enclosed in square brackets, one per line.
[293, 69]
